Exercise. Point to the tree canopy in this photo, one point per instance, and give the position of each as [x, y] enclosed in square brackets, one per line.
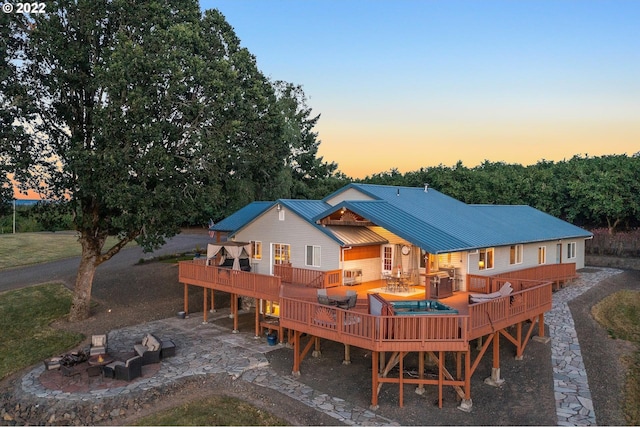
[139, 116]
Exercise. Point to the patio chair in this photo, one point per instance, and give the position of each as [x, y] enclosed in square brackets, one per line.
[127, 370]
[323, 298]
[392, 282]
[98, 345]
[149, 349]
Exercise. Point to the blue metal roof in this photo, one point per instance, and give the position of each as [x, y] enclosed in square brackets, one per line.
[428, 219]
[307, 209]
[439, 223]
[241, 217]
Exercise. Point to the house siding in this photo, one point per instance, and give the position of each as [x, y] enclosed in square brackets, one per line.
[348, 194]
[293, 231]
[529, 257]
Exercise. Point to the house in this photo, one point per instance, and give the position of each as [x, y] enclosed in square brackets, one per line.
[364, 236]
[368, 231]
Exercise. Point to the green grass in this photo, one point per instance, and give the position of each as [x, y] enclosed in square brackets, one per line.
[213, 411]
[619, 313]
[25, 334]
[31, 248]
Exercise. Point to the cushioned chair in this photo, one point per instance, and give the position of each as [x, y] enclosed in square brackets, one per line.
[127, 370]
[149, 349]
[98, 345]
[323, 298]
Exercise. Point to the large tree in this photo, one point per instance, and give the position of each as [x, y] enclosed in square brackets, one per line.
[138, 114]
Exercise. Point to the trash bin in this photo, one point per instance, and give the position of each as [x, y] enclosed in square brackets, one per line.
[272, 339]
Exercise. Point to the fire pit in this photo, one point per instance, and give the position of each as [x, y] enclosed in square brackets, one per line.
[100, 360]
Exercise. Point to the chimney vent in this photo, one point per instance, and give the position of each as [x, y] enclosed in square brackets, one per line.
[426, 187]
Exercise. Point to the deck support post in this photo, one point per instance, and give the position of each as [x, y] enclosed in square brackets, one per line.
[213, 305]
[296, 354]
[316, 349]
[375, 360]
[258, 331]
[440, 377]
[206, 305]
[234, 311]
[541, 325]
[466, 404]
[347, 355]
[401, 378]
[420, 388]
[186, 298]
[495, 380]
[520, 347]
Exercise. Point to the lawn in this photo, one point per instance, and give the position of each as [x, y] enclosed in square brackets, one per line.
[619, 313]
[25, 334]
[213, 411]
[32, 248]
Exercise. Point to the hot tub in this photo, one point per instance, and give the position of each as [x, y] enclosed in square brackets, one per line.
[421, 307]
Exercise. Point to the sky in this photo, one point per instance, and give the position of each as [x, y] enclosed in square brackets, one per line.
[407, 84]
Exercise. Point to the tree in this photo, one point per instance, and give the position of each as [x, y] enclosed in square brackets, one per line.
[308, 175]
[606, 189]
[139, 114]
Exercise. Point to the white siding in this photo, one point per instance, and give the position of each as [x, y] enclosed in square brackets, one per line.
[293, 231]
[370, 268]
[350, 194]
[529, 257]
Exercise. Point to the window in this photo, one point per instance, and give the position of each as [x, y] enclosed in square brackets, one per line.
[571, 250]
[387, 258]
[313, 256]
[515, 254]
[485, 261]
[256, 250]
[542, 255]
[281, 253]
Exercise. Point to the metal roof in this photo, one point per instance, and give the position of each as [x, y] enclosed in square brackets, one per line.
[439, 223]
[356, 236]
[241, 217]
[428, 219]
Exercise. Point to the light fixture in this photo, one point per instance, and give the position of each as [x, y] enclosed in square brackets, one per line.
[278, 207]
[481, 264]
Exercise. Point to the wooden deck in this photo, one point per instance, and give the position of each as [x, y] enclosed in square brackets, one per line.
[433, 335]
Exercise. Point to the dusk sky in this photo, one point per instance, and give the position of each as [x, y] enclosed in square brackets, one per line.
[412, 83]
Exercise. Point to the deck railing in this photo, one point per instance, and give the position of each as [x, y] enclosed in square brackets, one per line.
[232, 281]
[486, 317]
[377, 333]
[307, 277]
[555, 273]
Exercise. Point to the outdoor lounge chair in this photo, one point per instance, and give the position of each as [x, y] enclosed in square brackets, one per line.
[98, 345]
[149, 349]
[323, 298]
[127, 370]
[504, 291]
